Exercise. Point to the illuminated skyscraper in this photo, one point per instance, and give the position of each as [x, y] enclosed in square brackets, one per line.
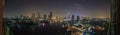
[50, 16]
[72, 19]
[33, 17]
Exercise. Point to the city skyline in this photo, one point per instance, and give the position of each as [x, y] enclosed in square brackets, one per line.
[58, 7]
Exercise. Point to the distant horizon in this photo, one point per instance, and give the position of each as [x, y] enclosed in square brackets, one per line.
[57, 16]
[58, 7]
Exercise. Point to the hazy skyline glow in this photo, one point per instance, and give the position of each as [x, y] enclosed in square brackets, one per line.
[58, 7]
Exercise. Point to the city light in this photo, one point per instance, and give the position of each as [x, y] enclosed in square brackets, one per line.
[43, 24]
[56, 17]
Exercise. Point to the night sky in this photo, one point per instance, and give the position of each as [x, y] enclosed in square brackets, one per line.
[58, 7]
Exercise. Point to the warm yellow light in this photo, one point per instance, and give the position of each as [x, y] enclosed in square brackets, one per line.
[101, 28]
[54, 18]
[102, 17]
[87, 16]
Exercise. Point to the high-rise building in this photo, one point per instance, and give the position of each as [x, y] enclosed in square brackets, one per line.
[39, 15]
[33, 15]
[73, 17]
[45, 17]
[21, 16]
[51, 15]
[78, 18]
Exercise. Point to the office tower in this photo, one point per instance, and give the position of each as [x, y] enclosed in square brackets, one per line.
[72, 20]
[33, 15]
[50, 16]
[21, 16]
[73, 17]
[78, 18]
[45, 17]
[57, 18]
[38, 15]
